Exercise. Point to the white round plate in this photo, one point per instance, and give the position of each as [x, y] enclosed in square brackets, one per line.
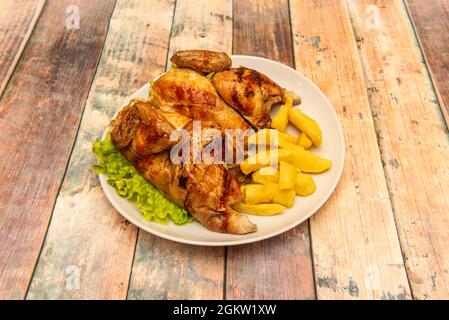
[315, 104]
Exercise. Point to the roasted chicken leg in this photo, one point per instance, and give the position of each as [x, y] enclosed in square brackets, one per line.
[203, 61]
[188, 93]
[249, 92]
[207, 191]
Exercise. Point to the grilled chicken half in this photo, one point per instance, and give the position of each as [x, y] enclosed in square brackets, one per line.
[141, 133]
[203, 61]
[249, 92]
[190, 94]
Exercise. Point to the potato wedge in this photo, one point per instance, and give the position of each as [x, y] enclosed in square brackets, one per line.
[284, 197]
[304, 160]
[260, 160]
[263, 137]
[306, 124]
[262, 209]
[304, 141]
[258, 193]
[280, 120]
[287, 176]
[264, 176]
[304, 185]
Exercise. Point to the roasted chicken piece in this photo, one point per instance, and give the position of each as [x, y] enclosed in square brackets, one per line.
[249, 92]
[145, 129]
[186, 92]
[207, 191]
[203, 61]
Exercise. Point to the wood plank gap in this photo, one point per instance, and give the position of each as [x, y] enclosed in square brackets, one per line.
[279, 267]
[167, 59]
[22, 46]
[308, 220]
[138, 229]
[354, 30]
[430, 74]
[165, 269]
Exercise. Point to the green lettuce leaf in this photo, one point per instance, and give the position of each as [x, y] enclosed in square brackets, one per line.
[131, 185]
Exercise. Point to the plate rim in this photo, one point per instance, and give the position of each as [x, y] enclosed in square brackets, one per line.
[323, 200]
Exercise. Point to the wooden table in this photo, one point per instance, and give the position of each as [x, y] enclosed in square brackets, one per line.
[384, 234]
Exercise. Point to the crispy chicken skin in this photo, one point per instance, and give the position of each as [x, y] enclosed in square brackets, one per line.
[249, 92]
[144, 129]
[203, 61]
[207, 191]
[188, 93]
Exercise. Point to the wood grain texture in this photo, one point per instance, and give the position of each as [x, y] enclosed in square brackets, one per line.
[16, 24]
[413, 140]
[164, 269]
[205, 26]
[39, 116]
[281, 267]
[356, 251]
[89, 247]
[431, 18]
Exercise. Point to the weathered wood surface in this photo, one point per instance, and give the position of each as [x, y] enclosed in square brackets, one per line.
[163, 269]
[281, 267]
[16, 25]
[413, 140]
[40, 111]
[362, 54]
[89, 247]
[356, 251]
[431, 19]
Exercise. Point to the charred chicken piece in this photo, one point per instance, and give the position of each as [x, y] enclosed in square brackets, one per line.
[203, 61]
[188, 93]
[143, 128]
[207, 191]
[249, 92]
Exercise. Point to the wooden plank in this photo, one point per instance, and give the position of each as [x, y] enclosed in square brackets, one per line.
[163, 269]
[356, 251]
[413, 139]
[431, 19]
[40, 112]
[281, 267]
[89, 247]
[16, 25]
[213, 30]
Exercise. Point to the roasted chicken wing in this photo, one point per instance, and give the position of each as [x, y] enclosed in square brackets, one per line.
[203, 61]
[249, 92]
[188, 93]
[207, 191]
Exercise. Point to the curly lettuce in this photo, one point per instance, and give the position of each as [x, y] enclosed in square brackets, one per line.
[131, 185]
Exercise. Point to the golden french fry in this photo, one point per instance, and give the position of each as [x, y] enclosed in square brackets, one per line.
[287, 176]
[284, 197]
[263, 137]
[266, 175]
[280, 120]
[304, 184]
[306, 124]
[304, 160]
[304, 141]
[257, 193]
[260, 160]
[261, 209]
